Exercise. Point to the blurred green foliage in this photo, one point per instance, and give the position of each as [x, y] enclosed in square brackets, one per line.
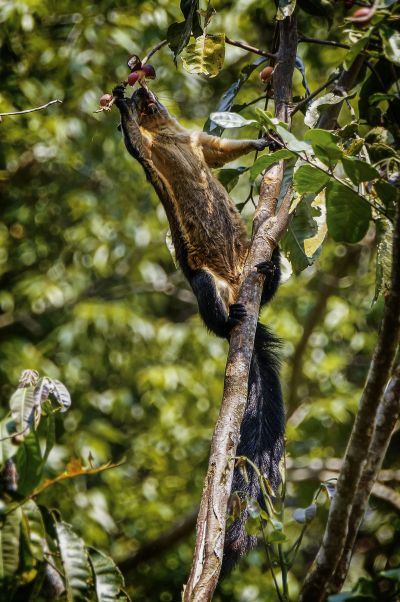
[89, 293]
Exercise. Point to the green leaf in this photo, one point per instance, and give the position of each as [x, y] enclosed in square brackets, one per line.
[355, 50]
[7, 448]
[23, 410]
[33, 528]
[276, 537]
[50, 437]
[348, 214]
[285, 9]
[230, 177]
[265, 161]
[324, 145]
[391, 44]
[229, 120]
[309, 179]
[301, 227]
[9, 544]
[359, 171]
[384, 235]
[29, 464]
[74, 557]
[387, 193]
[178, 34]
[205, 56]
[108, 579]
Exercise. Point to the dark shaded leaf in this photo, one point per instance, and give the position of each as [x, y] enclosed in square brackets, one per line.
[324, 145]
[230, 177]
[9, 544]
[309, 179]
[359, 171]
[108, 579]
[384, 235]
[348, 214]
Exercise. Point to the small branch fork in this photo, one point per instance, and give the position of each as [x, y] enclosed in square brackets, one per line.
[269, 225]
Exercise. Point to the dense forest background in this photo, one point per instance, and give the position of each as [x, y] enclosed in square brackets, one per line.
[90, 295]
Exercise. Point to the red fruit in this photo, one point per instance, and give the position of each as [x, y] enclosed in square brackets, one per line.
[266, 73]
[105, 100]
[133, 77]
[149, 71]
[362, 15]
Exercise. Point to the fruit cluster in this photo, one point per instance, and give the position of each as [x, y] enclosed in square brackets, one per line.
[139, 73]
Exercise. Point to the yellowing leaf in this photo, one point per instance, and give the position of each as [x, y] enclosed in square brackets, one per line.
[312, 244]
[205, 56]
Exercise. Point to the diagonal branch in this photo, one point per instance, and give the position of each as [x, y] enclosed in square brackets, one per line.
[268, 227]
[357, 465]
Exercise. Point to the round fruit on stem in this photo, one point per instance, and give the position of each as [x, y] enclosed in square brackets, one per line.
[362, 16]
[133, 77]
[149, 71]
[105, 100]
[266, 74]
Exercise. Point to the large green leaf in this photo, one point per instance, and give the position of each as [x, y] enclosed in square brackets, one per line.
[230, 120]
[108, 579]
[24, 410]
[33, 528]
[359, 171]
[9, 544]
[309, 179]
[205, 56]
[74, 557]
[324, 145]
[348, 214]
[29, 464]
[266, 161]
[178, 34]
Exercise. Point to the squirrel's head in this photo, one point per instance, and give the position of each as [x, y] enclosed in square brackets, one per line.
[149, 109]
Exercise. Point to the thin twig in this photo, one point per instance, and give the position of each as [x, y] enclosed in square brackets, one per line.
[51, 102]
[249, 48]
[154, 50]
[309, 40]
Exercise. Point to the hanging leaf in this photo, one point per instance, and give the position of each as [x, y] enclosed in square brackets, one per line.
[387, 193]
[384, 234]
[24, 411]
[313, 244]
[33, 528]
[9, 544]
[266, 161]
[42, 390]
[301, 227]
[108, 579]
[61, 394]
[205, 56]
[178, 34]
[230, 120]
[348, 214]
[29, 464]
[309, 179]
[359, 171]
[74, 558]
[355, 50]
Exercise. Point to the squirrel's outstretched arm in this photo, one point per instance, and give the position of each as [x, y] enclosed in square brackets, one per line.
[218, 151]
[129, 125]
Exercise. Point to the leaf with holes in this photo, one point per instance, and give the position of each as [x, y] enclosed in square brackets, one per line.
[108, 579]
[74, 558]
[205, 56]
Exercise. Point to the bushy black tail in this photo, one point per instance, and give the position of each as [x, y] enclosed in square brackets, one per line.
[261, 440]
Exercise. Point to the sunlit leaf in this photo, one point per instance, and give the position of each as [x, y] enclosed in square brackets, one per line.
[23, 410]
[325, 146]
[230, 120]
[309, 179]
[61, 394]
[7, 447]
[205, 56]
[391, 44]
[108, 579]
[74, 557]
[319, 104]
[266, 161]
